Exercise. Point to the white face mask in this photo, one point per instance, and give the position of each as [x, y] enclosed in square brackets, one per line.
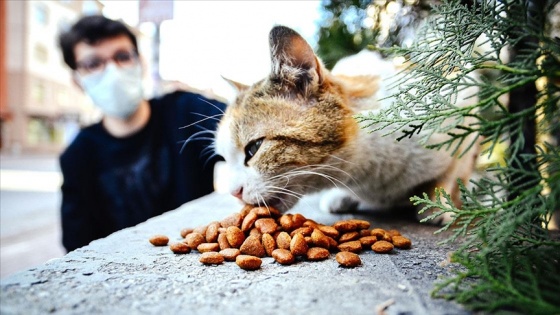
[116, 91]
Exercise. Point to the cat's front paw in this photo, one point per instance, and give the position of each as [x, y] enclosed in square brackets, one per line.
[338, 201]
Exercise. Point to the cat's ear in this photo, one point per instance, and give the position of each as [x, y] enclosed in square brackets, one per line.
[293, 61]
[236, 85]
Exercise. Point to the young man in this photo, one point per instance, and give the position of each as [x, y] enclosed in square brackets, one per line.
[131, 165]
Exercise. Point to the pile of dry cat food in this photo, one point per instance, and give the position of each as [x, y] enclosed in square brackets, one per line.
[255, 232]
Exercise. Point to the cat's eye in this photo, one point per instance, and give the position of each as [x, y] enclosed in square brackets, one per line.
[251, 149]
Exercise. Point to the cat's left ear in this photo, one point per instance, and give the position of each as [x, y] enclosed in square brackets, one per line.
[293, 61]
[237, 85]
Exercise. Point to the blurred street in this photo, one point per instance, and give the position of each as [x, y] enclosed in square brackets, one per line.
[29, 211]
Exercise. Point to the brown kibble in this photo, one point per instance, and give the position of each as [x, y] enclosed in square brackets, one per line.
[208, 247]
[234, 219]
[349, 236]
[283, 256]
[245, 210]
[266, 225]
[252, 246]
[394, 233]
[230, 253]
[298, 220]
[283, 240]
[317, 253]
[345, 226]
[211, 258]
[348, 259]
[298, 245]
[379, 233]
[248, 262]
[201, 229]
[319, 239]
[212, 232]
[311, 224]
[382, 247]
[255, 232]
[401, 242]
[286, 222]
[367, 241]
[248, 221]
[235, 236]
[186, 231]
[180, 248]
[308, 240]
[305, 231]
[365, 233]
[333, 244]
[266, 212]
[387, 237]
[352, 246]
[223, 242]
[361, 224]
[269, 243]
[194, 239]
[159, 240]
[329, 231]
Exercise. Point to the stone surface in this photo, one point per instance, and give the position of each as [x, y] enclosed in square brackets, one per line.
[124, 274]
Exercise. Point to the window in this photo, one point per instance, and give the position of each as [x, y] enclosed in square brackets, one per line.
[41, 14]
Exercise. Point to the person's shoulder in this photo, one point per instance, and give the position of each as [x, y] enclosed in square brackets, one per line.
[82, 144]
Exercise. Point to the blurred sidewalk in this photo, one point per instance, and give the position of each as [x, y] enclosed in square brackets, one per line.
[29, 211]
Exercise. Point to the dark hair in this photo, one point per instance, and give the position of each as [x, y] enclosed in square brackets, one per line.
[91, 30]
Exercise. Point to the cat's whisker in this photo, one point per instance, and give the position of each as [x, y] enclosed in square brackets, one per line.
[332, 179]
[215, 117]
[210, 103]
[196, 136]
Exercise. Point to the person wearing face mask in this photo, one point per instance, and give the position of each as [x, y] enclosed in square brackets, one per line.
[133, 164]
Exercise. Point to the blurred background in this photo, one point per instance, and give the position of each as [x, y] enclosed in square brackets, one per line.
[183, 44]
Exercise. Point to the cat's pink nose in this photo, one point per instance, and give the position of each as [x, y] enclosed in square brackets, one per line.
[238, 193]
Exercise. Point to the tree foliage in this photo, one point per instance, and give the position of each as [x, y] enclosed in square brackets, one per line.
[509, 260]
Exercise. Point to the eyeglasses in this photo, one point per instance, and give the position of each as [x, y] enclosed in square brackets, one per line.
[96, 64]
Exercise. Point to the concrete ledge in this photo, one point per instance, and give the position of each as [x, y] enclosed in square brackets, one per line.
[124, 274]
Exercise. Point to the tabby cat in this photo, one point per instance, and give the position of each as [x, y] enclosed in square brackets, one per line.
[294, 133]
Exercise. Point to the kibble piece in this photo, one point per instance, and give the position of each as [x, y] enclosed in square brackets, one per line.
[362, 224]
[298, 220]
[208, 247]
[252, 246]
[304, 230]
[245, 210]
[201, 229]
[212, 232]
[180, 248]
[283, 240]
[222, 241]
[186, 231]
[345, 226]
[248, 262]
[367, 241]
[394, 232]
[319, 239]
[349, 236]
[298, 245]
[311, 223]
[269, 243]
[248, 221]
[352, 246]
[329, 231]
[211, 258]
[401, 242]
[365, 233]
[255, 232]
[266, 212]
[266, 225]
[379, 233]
[234, 219]
[159, 240]
[230, 253]
[348, 259]
[235, 236]
[382, 247]
[317, 253]
[283, 256]
[286, 222]
[194, 239]
[333, 244]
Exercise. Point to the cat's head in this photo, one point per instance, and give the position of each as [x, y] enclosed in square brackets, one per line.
[280, 136]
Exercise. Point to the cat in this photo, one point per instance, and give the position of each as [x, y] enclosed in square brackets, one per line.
[295, 133]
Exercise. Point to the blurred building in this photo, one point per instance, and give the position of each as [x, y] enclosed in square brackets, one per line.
[40, 108]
